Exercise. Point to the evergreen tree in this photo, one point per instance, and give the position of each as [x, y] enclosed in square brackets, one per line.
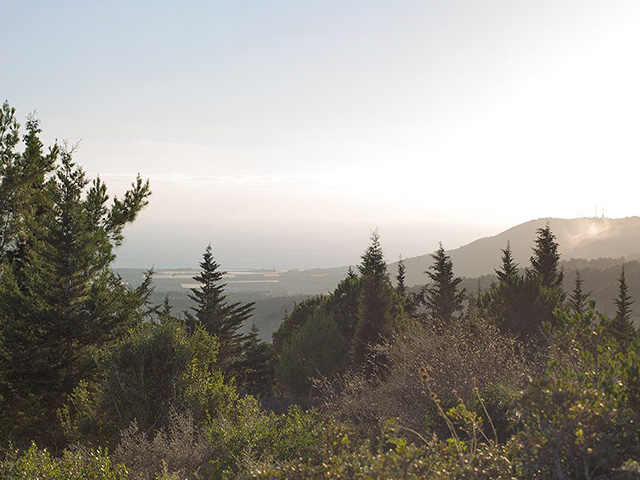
[218, 317]
[316, 349]
[621, 325]
[343, 305]
[257, 365]
[351, 275]
[22, 180]
[58, 296]
[520, 306]
[294, 320]
[442, 298]
[373, 264]
[546, 259]
[401, 287]
[509, 269]
[379, 307]
[578, 299]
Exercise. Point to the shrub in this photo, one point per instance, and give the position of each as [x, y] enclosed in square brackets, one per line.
[181, 449]
[39, 464]
[156, 369]
[248, 439]
[317, 348]
[459, 357]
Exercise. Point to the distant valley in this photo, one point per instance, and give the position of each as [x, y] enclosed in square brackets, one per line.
[595, 246]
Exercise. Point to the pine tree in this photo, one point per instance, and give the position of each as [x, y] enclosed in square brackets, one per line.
[546, 259]
[401, 287]
[257, 365]
[59, 298]
[621, 325]
[442, 298]
[578, 299]
[373, 264]
[379, 307]
[343, 305]
[509, 268]
[218, 317]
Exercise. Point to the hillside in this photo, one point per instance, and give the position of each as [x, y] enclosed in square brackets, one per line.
[585, 238]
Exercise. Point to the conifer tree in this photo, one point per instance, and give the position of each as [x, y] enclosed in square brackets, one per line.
[545, 260]
[621, 325]
[343, 305]
[401, 287]
[442, 298]
[217, 316]
[379, 307]
[58, 296]
[578, 299]
[257, 365]
[509, 269]
[23, 195]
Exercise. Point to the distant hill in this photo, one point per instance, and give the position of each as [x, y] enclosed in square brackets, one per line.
[585, 238]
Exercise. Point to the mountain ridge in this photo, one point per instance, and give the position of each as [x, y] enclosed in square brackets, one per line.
[585, 238]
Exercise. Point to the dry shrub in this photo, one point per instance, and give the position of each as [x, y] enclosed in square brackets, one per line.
[458, 357]
[182, 449]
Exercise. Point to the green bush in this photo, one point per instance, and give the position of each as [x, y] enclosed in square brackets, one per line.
[158, 368]
[248, 438]
[317, 348]
[81, 464]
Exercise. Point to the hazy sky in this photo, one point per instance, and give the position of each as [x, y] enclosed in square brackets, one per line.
[284, 131]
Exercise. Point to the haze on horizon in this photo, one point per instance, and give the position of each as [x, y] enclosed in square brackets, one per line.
[283, 132]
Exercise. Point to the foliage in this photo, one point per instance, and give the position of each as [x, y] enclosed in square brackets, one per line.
[458, 357]
[156, 369]
[340, 457]
[315, 337]
[40, 464]
[545, 259]
[621, 324]
[218, 317]
[582, 418]
[521, 305]
[343, 305]
[578, 300]
[257, 365]
[317, 348]
[58, 296]
[509, 269]
[22, 178]
[248, 438]
[294, 320]
[442, 298]
[380, 309]
[181, 448]
[401, 286]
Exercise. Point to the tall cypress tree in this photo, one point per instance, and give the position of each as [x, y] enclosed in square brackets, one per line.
[257, 365]
[509, 269]
[219, 317]
[578, 298]
[545, 260]
[58, 296]
[379, 307]
[621, 325]
[442, 298]
[401, 287]
[343, 304]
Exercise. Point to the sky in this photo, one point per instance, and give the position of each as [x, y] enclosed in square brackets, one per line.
[284, 132]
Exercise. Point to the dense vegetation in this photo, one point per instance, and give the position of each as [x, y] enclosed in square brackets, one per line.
[373, 380]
